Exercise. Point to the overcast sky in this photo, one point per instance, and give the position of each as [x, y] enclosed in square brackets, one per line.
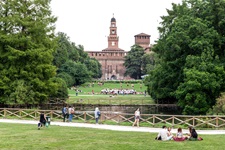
[87, 22]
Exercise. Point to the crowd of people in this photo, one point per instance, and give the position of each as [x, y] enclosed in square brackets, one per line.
[165, 135]
[118, 91]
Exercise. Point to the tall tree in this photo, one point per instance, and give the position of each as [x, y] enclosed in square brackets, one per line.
[26, 47]
[133, 62]
[147, 62]
[94, 67]
[191, 56]
[68, 55]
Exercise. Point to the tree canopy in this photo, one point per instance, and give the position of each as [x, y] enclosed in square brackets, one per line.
[133, 62]
[26, 46]
[73, 64]
[190, 50]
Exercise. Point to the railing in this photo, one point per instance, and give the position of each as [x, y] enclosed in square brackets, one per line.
[111, 101]
[154, 120]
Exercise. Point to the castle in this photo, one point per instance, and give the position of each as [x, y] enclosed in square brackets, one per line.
[112, 57]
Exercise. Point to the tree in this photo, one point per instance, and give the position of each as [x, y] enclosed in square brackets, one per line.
[133, 62]
[191, 56]
[94, 67]
[78, 72]
[68, 55]
[26, 46]
[61, 91]
[148, 62]
[203, 81]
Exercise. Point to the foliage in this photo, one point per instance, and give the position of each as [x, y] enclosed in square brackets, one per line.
[190, 50]
[26, 45]
[202, 84]
[74, 65]
[94, 67]
[61, 91]
[133, 62]
[148, 62]
[219, 107]
[77, 72]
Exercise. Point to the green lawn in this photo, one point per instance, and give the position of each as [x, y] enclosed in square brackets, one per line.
[97, 89]
[27, 137]
[86, 96]
[107, 99]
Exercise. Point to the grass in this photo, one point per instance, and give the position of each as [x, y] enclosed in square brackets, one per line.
[97, 89]
[86, 96]
[106, 99]
[27, 137]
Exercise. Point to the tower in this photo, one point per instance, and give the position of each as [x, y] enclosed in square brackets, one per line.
[143, 40]
[112, 57]
[113, 39]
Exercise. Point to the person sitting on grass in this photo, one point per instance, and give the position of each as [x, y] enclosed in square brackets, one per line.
[193, 135]
[163, 135]
[42, 120]
[169, 131]
[179, 135]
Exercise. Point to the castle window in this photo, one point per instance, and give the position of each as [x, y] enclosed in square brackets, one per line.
[99, 54]
[113, 43]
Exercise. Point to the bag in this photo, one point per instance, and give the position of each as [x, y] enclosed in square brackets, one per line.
[72, 111]
[46, 124]
[98, 113]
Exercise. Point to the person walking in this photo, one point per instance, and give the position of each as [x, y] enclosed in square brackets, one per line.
[65, 113]
[137, 117]
[71, 113]
[97, 115]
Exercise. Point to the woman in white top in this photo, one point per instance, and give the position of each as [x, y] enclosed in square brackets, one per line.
[137, 117]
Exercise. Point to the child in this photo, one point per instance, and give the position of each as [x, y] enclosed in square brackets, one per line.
[179, 136]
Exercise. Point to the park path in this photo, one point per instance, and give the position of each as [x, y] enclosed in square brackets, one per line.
[109, 127]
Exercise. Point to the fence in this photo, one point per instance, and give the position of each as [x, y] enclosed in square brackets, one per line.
[154, 120]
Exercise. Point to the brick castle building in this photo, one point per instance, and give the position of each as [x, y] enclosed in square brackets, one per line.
[112, 57]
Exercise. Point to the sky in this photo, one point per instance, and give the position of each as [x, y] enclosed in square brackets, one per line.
[87, 22]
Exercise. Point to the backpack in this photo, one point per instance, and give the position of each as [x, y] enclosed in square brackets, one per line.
[98, 113]
[72, 111]
[64, 110]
